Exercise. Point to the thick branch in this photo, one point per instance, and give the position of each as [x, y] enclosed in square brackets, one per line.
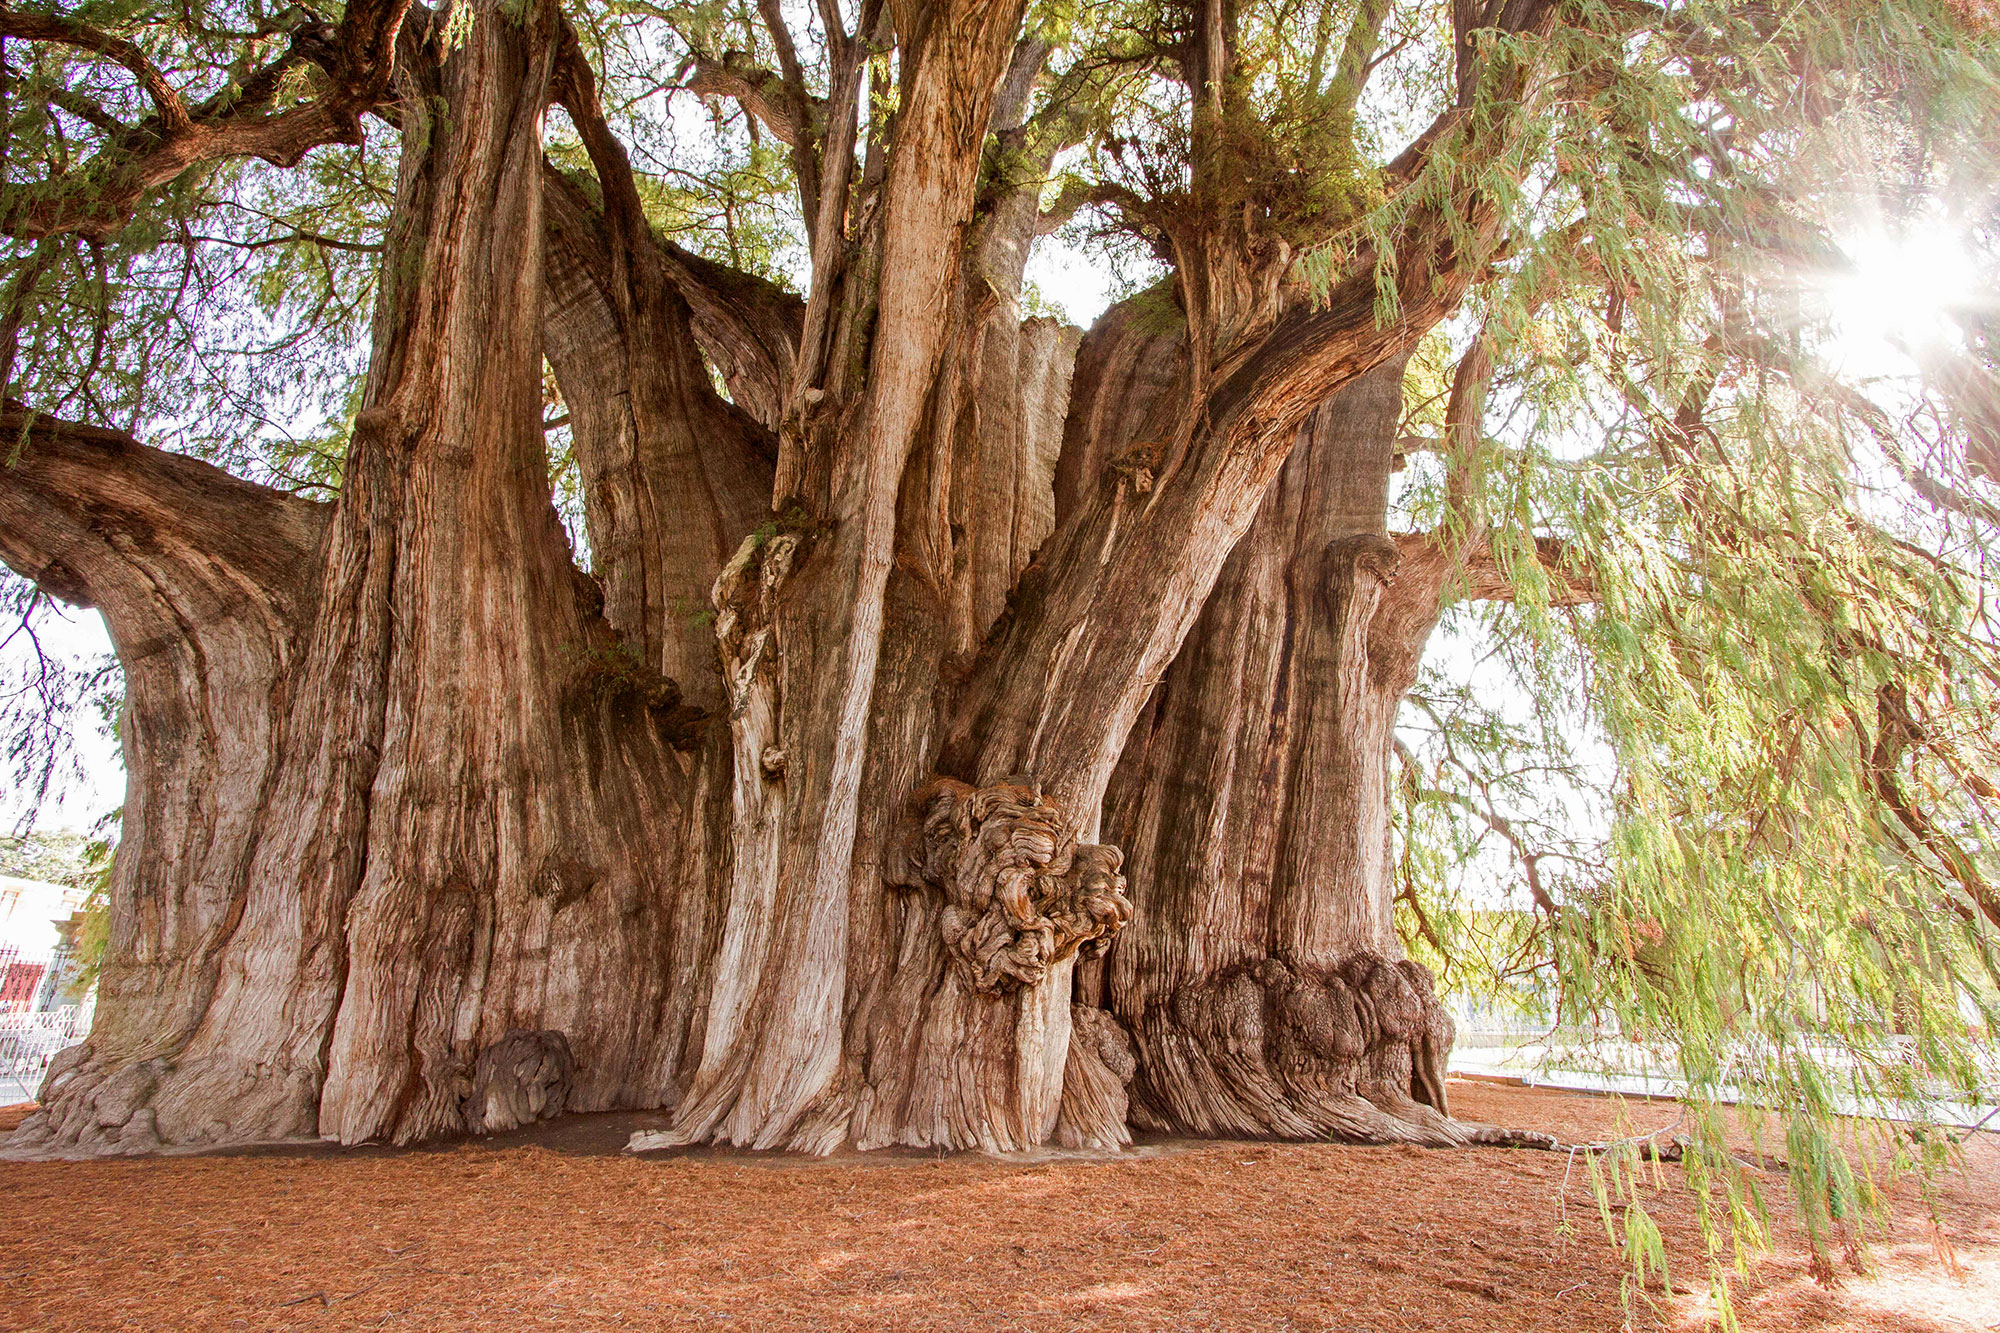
[765, 95]
[208, 584]
[1486, 581]
[98, 519]
[1896, 731]
[748, 327]
[674, 477]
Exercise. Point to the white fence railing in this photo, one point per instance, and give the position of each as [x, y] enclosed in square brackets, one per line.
[35, 1021]
[34, 1037]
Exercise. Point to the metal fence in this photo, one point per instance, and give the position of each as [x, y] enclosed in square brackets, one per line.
[37, 1019]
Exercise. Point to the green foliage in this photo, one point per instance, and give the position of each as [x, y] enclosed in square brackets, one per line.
[1763, 822]
[51, 857]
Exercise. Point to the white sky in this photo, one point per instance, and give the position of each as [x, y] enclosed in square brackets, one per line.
[75, 802]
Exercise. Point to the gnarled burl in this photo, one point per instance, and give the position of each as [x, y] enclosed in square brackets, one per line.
[1020, 893]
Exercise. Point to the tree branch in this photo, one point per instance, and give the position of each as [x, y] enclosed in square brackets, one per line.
[96, 199]
[747, 326]
[66, 31]
[1486, 581]
[780, 107]
[1896, 731]
[96, 518]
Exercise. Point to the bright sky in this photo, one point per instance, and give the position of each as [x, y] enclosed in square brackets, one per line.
[75, 803]
[1899, 294]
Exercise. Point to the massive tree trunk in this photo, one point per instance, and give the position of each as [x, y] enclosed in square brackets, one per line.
[206, 585]
[469, 830]
[791, 814]
[1262, 982]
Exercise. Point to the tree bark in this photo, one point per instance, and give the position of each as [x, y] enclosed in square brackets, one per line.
[205, 583]
[1263, 984]
[1260, 982]
[471, 781]
[803, 620]
[786, 815]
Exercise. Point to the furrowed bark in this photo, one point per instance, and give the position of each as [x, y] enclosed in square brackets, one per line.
[205, 582]
[982, 1065]
[1121, 581]
[459, 863]
[673, 477]
[1261, 981]
[506, 869]
[748, 328]
[1264, 988]
[1006, 891]
[814, 600]
[509, 874]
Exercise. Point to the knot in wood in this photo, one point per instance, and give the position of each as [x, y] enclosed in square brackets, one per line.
[1020, 893]
[1138, 465]
[1306, 1035]
[521, 1078]
[1361, 554]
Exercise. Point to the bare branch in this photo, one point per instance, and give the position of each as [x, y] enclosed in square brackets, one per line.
[1897, 730]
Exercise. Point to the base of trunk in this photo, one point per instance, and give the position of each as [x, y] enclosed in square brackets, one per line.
[1353, 1052]
[92, 1107]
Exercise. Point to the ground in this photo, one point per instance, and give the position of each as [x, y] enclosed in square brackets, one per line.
[555, 1229]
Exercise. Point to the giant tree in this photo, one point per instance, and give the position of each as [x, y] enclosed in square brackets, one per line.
[722, 651]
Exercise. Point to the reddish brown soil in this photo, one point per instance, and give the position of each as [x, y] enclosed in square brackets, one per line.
[553, 1231]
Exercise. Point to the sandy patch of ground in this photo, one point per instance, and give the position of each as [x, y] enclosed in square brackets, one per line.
[553, 1229]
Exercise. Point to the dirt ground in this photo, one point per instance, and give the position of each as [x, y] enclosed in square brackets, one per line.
[554, 1229]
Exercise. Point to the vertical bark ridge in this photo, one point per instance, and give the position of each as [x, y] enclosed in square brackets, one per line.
[976, 1069]
[774, 1075]
[1262, 983]
[509, 883]
[673, 477]
[462, 843]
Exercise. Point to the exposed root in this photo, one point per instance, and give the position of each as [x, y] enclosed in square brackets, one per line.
[92, 1106]
[89, 1108]
[522, 1078]
[1353, 1052]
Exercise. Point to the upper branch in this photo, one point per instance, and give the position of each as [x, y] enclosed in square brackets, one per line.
[748, 327]
[98, 519]
[356, 58]
[1435, 252]
[67, 31]
[1487, 581]
[785, 110]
